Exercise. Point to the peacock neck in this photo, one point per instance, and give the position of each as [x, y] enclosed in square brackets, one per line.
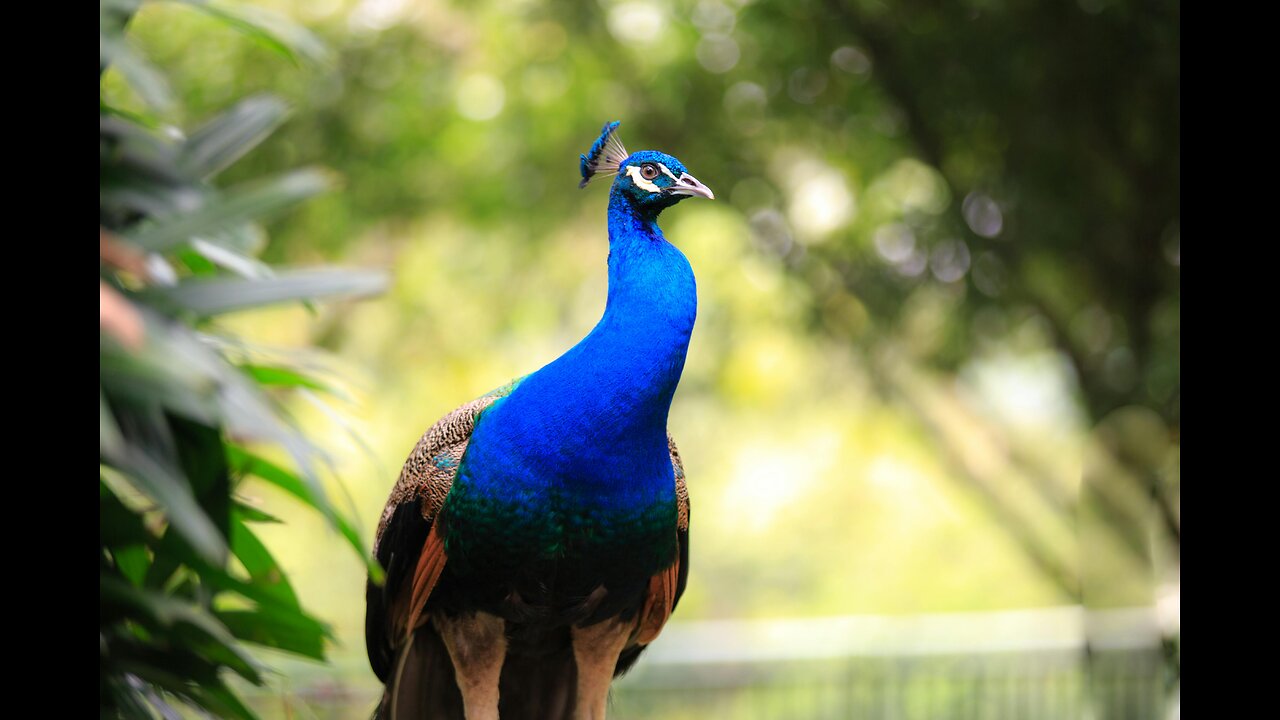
[643, 337]
[651, 286]
[595, 418]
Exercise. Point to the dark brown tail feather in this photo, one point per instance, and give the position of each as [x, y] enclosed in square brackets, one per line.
[538, 688]
[422, 685]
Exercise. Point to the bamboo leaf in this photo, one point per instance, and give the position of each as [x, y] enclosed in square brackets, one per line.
[224, 257]
[172, 551]
[223, 140]
[276, 376]
[268, 29]
[241, 204]
[110, 442]
[263, 569]
[141, 76]
[217, 696]
[169, 370]
[250, 513]
[245, 463]
[166, 614]
[215, 296]
[132, 562]
[273, 627]
[166, 487]
[118, 526]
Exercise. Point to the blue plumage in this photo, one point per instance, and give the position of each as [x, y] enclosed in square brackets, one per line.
[564, 522]
[596, 416]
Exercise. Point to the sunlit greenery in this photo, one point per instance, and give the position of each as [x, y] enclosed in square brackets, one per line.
[185, 580]
[936, 365]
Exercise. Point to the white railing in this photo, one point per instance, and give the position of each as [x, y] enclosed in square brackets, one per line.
[780, 640]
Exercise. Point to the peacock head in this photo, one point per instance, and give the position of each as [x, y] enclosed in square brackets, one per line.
[649, 180]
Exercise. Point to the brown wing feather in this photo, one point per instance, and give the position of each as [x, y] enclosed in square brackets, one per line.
[429, 471]
[682, 490]
[658, 604]
[430, 564]
[414, 549]
[664, 586]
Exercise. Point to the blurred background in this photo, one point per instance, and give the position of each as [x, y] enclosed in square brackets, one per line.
[930, 415]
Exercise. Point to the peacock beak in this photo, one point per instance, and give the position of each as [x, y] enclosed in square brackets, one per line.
[689, 185]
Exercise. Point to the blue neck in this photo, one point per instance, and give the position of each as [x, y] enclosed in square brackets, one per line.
[593, 422]
[648, 319]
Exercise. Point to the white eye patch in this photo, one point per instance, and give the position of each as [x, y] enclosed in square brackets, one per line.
[633, 172]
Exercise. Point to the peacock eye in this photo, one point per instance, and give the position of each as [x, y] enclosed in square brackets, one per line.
[648, 171]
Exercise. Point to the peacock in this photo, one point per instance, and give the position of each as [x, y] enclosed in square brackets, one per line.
[537, 539]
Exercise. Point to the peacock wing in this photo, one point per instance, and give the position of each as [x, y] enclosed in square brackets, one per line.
[407, 543]
[666, 586]
[682, 490]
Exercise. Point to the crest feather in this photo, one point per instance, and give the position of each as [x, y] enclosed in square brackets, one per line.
[605, 156]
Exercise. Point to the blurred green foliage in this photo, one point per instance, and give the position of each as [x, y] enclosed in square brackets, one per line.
[937, 358]
[184, 578]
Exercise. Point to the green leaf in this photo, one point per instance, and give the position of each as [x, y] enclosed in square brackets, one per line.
[221, 295]
[244, 462]
[250, 513]
[268, 29]
[195, 261]
[181, 671]
[218, 697]
[247, 239]
[162, 614]
[110, 442]
[182, 372]
[172, 370]
[225, 257]
[118, 526]
[204, 463]
[167, 711]
[243, 203]
[177, 671]
[141, 76]
[170, 490]
[223, 140]
[148, 121]
[263, 569]
[134, 700]
[277, 628]
[113, 15]
[132, 562]
[283, 377]
[172, 551]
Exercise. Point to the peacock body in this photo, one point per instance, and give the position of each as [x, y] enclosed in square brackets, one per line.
[537, 539]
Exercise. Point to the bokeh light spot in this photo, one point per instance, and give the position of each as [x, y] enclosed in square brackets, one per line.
[718, 53]
[821, 202]
[895, 242]
[806, 84]
[851, 60]
[982, 215]
[745, 103]
[950, 260]
[637, 22]
[917, 186]
[989, 275]
[379, 14]
[480, 97]
[712, 16]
